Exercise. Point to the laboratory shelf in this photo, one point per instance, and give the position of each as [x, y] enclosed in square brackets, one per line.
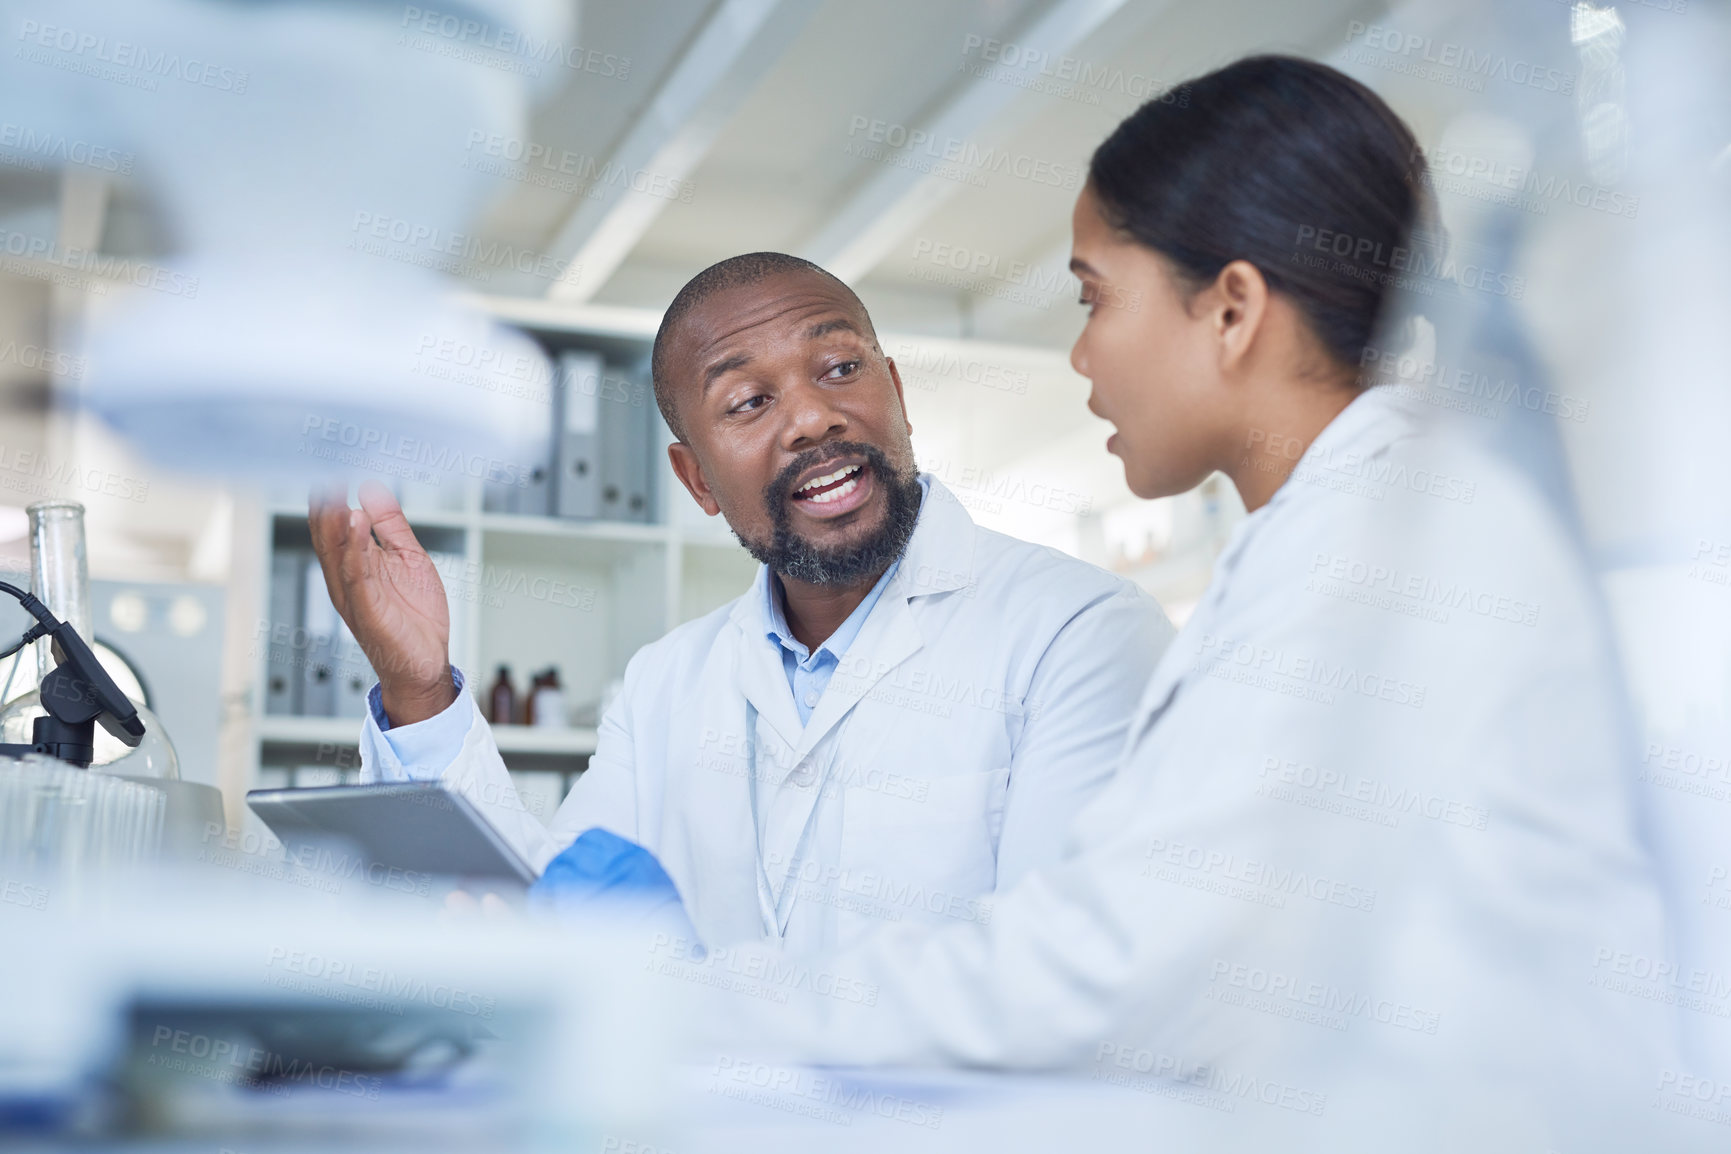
[534, 739]
[280, 729]
[628, 532]
[703, 537]
[430, 518]
[529, 524]
[602, 322]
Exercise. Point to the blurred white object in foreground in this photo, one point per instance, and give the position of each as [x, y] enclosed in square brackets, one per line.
[226, 1007]
[304, 163]
[53, 813]
[277, 377]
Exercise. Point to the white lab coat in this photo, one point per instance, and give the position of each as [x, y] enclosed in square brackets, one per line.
[1369, 854]
[981, 705]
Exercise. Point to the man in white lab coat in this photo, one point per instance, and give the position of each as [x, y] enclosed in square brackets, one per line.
[901, 714]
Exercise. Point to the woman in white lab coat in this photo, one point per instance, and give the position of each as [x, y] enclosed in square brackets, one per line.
[1368, 855]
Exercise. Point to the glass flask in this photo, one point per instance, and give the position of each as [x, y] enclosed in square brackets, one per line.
[60, 578]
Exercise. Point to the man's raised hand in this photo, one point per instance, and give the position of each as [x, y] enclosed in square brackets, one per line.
[390, 595]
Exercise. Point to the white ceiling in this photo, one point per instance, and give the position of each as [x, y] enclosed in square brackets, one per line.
[779, 170]
[784, 171]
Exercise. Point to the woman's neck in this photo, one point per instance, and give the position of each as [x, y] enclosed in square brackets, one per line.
[1285, 421]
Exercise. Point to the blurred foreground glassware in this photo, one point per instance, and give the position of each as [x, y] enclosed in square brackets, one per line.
[55, 816]
[60, 577]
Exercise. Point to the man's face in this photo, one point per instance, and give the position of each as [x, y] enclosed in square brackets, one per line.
[795, 428]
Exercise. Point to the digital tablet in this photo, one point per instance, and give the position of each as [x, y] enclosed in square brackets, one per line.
[418, 826]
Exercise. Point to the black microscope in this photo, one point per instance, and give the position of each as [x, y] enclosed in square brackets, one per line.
[77, 693]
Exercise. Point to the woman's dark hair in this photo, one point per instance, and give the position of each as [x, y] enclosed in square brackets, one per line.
[1292, 166]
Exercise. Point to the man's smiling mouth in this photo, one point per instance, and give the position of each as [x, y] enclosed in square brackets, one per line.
[833, 486]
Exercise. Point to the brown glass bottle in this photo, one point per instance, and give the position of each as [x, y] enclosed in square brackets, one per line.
[502, 699]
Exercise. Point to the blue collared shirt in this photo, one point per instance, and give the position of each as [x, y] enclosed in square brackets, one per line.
[808, 672]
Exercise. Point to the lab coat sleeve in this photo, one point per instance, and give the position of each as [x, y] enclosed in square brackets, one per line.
[470, 766]
[421, 749]
[606, 796]
[1079, 702]
[456, 747]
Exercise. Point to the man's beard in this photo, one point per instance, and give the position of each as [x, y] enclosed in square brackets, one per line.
[793, 556]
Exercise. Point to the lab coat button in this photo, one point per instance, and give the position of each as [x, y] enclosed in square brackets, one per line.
[802, 773]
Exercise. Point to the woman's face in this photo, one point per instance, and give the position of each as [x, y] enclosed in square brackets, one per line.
[1154, 362]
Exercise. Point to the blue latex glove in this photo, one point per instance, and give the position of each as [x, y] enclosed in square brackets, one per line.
[603, 870]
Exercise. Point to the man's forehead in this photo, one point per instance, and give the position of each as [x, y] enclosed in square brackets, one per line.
[763, 309]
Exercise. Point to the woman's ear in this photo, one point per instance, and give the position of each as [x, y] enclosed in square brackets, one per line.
[1238, 309]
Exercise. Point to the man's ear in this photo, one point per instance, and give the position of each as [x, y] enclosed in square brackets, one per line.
[690, 474]
[1240, 304]
[901, 397]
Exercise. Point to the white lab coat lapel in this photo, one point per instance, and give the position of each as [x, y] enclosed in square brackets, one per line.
[762, 680]
[939, 557]
[888, 637]
[758, 670]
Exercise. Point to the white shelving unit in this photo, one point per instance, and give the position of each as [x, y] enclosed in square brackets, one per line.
[533, 591]
[577, 741]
